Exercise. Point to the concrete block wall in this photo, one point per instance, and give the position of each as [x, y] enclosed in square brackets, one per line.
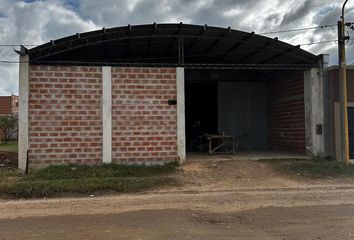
[65, 114]
[287, 112]
[144, 125]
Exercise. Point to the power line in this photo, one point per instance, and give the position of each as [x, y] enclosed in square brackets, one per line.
[300, 29]
[6, 61]
[264, 33]
[319, 42]
[19, 45]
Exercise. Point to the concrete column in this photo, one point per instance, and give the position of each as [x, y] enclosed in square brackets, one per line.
[323, 63]
[107, 114]
[181, 129]
[314, 117]
[23, 112]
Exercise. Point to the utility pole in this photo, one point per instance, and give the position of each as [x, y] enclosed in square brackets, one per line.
[342, 74]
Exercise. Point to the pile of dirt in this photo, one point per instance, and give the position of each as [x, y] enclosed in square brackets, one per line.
[232, 174]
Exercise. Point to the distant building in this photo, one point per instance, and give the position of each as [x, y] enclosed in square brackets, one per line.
[8, 104]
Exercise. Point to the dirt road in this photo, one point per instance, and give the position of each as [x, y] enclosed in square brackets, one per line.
[287, 213]
[215, 200]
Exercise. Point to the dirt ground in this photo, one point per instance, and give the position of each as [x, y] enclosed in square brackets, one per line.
[216, 200]
[224, 174]
[264, 223]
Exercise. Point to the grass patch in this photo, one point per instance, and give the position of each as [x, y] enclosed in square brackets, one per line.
[11, 146]
[9, 171]
[37, 189]
[73, 171]
[314, 168]
[55, 180]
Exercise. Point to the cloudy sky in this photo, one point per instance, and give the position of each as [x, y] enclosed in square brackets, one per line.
[36, 22]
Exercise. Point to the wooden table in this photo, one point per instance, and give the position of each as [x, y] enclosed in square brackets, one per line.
[221, 141]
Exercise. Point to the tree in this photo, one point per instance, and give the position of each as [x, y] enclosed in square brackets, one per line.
[8, 126]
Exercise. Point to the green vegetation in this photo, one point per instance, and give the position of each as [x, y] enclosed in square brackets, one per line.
[8, 126]
[314, 168]
[71, 171]
[11, 146]
[55, 180]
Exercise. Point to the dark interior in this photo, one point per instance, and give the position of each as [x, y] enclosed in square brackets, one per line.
[201, 111]
[351, 131]
[226, 102]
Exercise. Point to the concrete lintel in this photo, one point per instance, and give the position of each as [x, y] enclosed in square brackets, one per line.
[181, 129]
[106, 115]
[23, 112]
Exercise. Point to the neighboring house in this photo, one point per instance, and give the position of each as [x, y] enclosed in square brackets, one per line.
[8, 105]
[334, 110]
[130, 94]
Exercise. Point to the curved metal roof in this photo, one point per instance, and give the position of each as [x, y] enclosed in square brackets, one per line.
[171, 44]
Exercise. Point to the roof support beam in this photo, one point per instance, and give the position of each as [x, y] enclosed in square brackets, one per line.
[180, 50]
[177, 32]
[293, 66]
[148, 48]
[236, 45]
[216, 41]
[190, 46]
[128, 40]
[256, 51]
[278, 55]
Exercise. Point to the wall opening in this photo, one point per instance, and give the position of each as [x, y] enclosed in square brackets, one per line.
[351, 131]
[262, 109]
[201, 100]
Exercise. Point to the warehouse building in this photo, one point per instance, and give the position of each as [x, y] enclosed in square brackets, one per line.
[133, 94]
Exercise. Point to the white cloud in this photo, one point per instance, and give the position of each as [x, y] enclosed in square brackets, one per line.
[33, 23]
[37, 22]
[233, 12]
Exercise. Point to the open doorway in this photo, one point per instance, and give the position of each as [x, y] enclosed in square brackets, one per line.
[227, 103]
[201, 112]
[351, 131]
[260, 110]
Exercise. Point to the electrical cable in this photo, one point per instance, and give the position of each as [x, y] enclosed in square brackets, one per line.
[272, 32]
[299, 29]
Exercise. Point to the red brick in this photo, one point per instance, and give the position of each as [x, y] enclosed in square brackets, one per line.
[61, 110]
[287, 117]
[137, 114]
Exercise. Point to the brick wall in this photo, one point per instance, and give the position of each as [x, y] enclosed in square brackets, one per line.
[65, 114]
[287, 112]
[144, 126]
[5, 105]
